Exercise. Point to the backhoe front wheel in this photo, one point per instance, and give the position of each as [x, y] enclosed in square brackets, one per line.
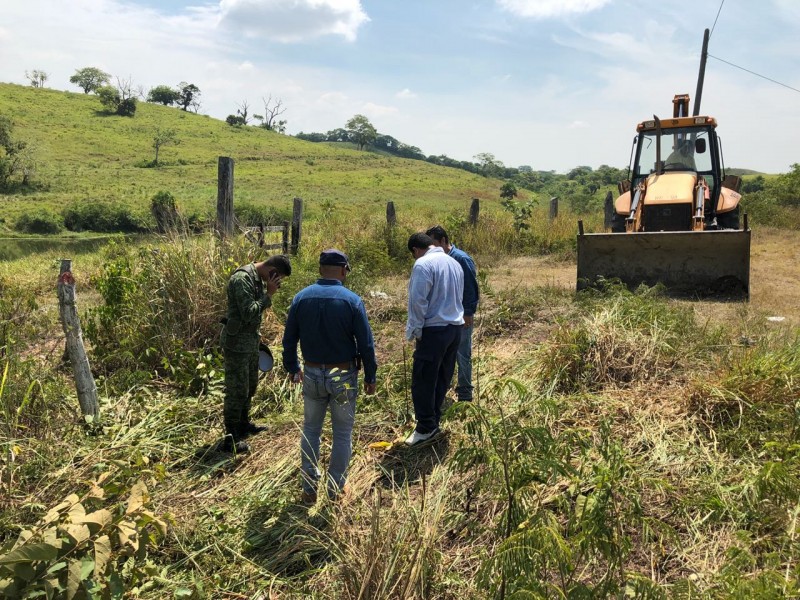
[617, 223]
[728, 220]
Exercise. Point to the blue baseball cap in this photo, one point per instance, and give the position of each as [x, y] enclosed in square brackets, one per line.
[335, 258]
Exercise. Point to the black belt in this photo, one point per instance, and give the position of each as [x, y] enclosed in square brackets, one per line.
[345, 366]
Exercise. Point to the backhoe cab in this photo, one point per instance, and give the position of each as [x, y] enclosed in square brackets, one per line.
[677, 181]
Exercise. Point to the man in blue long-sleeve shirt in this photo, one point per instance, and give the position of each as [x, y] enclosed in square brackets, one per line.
[331, 324]
[435, 319]
[470, 300]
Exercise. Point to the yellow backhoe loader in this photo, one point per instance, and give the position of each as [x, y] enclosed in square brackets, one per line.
[676, 220]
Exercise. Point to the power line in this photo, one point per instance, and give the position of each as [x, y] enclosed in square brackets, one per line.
[756, 74]
[717, 17]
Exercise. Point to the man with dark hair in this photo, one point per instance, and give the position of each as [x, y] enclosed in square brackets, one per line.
[330, 322]
[247, 300]
[435, 319]
[470, 301]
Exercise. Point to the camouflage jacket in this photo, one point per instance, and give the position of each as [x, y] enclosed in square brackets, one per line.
[246, 303]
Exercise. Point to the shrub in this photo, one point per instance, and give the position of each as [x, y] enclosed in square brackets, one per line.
[250, 215]
[162, 305]
[165, 211]
[91, 215]
[43, 223]
[618, 337]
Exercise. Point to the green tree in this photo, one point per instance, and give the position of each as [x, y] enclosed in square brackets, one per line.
[188, 95]
[16, 157]
[116, 102]
[163, 94]
[508, 191]
[361, 131]
[163, 137]
[90, 79]
[489, 165]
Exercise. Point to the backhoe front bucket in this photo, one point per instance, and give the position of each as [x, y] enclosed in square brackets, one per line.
[693, 263]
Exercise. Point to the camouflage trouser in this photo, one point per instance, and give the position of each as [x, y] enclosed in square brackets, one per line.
[241, 379]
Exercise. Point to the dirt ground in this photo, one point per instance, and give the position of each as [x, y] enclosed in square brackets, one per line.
[774, 277]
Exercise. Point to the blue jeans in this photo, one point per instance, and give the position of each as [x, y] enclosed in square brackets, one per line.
[337, 389]
[464, 362]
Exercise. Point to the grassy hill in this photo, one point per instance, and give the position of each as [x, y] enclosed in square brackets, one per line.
[85, 154]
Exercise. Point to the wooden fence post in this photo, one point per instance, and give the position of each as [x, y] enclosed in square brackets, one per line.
[553, 208]
[285, 238]
[225, 196]
[84, 380]
[474, 210]
[391, 215]
[297, 224]
[608, 209]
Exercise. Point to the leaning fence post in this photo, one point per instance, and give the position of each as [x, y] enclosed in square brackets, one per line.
[553, 208]
[391, 215]
[297, 224]
[225, 196]
[608, 208]
[474, 209]
[84, 381]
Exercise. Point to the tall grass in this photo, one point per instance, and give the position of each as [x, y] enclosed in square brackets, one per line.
[629, 449]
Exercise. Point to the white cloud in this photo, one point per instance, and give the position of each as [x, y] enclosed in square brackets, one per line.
[406, 94]
[378, 110]
[544, 9]
[332, 98]
[578, 125]
[292, 20]
[246, 66]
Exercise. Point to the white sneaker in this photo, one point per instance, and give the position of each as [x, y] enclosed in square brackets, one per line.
[417, 438]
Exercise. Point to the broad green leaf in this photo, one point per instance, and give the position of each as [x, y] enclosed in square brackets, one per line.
[102, 552]
[148, 517]
[127, 534]
[50, 536]
[76, 513]
[115, 586]
[79, 533]
[9, 588]
[73, 579]
[97, 520]
[183, 593]
[30, 552]
[138, 497]
[24, 571]
[56, 567]
[87, 566]
[25, 535]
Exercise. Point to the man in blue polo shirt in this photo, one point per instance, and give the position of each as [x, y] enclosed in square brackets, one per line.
[470, 301]
[331, 324]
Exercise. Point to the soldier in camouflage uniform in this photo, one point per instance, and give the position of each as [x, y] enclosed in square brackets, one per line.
[247, 300]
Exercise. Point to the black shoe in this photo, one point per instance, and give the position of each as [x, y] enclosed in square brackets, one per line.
[251, 428]
[234, 446]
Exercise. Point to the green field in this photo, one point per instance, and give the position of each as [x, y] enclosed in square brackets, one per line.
[84, 154]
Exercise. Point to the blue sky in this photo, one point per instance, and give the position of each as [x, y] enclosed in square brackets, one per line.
[548, 83]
